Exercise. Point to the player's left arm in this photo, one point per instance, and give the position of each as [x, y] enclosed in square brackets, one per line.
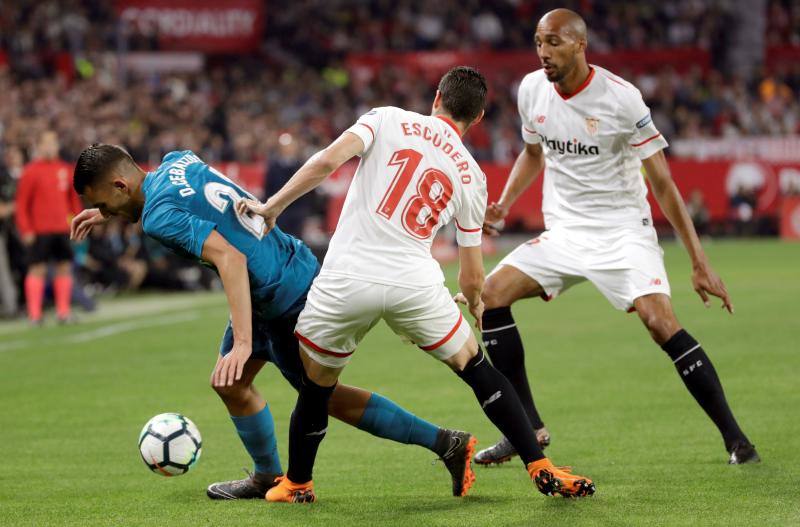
[704, 279]
[232, 267]
[311, 174]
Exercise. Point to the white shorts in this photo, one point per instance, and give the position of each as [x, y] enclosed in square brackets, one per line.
[623, 263]
[340, 311]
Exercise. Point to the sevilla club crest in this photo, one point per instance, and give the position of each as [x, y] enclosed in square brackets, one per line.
[592, 125]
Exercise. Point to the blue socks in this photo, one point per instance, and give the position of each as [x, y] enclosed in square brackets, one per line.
[384, 418]
[257, 432]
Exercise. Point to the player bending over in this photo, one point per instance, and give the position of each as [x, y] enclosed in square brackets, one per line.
[188, 206]
[594, 132]
[415, 175]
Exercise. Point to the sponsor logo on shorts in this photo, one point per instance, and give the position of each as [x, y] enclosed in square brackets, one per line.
[655, 281]
[644, 122]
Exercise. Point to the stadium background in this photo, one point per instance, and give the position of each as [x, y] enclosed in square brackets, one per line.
[256, 87]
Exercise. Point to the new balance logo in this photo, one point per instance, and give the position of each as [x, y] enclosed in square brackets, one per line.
[495, 396]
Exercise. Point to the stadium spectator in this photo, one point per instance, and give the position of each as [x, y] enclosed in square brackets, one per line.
[45, 202]
[698, 211]
[743, 211]
[8, 187]
[287, 159]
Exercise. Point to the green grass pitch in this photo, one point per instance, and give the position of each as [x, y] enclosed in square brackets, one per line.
[74, 400]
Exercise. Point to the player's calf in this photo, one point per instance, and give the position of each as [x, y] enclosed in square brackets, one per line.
[700, 377]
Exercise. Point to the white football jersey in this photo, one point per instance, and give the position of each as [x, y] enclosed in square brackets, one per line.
[593, 141]
[415, 175]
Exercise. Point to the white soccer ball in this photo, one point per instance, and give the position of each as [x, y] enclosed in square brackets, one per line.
[170, 444]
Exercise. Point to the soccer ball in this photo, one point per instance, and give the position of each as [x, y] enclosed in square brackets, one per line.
[170, 444]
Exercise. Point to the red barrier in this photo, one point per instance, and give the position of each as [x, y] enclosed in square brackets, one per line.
[715, 180]
[790, 218]
[515, 64]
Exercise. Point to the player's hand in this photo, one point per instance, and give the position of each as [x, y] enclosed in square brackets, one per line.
[266, 210]
[707, 282]
[82, 224]
[28, 239]
[230, 367]
[476, 310]
[494, 221]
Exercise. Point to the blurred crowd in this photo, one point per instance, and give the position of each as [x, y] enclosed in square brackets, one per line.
[59, 71]
[337, 27]
[299, 84]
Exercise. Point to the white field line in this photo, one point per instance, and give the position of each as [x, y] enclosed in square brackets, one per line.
[131, 308]
[102, 332]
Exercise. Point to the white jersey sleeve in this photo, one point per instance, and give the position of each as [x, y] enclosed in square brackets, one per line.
[469, 218]
[645, 139]
[415, 176]
[367, 127]
[529, 134]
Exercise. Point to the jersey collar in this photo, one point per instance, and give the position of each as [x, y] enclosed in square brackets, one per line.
[450, 122]
[580, 88]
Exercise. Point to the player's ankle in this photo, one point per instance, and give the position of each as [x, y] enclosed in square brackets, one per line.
[539, 464]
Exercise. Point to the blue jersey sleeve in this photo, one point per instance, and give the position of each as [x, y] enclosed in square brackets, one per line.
[177, 228]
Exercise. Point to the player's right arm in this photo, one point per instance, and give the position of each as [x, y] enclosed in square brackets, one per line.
[527, 167]
[232, 268]
[311, 175]
[354, 141]
[470, 281]
[168, 221]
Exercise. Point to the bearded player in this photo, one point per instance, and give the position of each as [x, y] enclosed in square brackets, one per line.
[415, 175]
[187, 206]
[591, 132]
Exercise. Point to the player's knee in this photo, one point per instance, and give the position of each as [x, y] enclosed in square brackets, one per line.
[660, 326]
[467, 352]
[492, 295]
[237, 393]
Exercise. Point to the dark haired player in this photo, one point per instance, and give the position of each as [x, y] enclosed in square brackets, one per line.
[189, 207]
[595, 133]
[415, 175]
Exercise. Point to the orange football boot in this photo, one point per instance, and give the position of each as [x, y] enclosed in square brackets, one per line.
[289, 492]
[552, 480]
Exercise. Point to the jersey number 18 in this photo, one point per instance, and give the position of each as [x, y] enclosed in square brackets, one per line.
[434, 190]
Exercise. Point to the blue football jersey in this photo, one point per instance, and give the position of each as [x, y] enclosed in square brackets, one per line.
[185, 199]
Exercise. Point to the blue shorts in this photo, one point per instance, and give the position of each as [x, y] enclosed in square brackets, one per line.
[274, 341]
